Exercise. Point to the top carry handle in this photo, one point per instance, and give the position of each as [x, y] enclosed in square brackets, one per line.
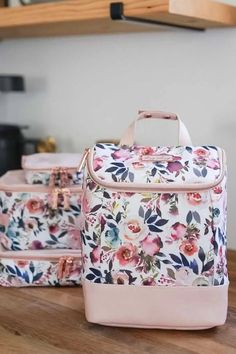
[128, 136]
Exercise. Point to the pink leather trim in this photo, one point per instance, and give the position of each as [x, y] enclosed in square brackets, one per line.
[189, 307]
[128, 136]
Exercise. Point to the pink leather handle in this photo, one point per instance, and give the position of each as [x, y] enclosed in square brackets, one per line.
[128, 136]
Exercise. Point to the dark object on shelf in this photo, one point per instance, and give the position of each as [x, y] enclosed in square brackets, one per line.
[117, 13]
[13, 145]
[12, 83]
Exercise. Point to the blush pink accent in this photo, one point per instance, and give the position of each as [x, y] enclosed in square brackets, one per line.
[189, 307]
[128, 136]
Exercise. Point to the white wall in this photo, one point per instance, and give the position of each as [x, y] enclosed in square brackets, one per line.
[84, 88]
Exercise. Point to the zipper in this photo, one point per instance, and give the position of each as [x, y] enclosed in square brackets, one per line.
[65, 194]
[65, 259]
[158, 187]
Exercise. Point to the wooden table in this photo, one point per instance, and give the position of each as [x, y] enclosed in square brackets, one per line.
[51, 321]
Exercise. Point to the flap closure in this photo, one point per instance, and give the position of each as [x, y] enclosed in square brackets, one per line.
[156, 168]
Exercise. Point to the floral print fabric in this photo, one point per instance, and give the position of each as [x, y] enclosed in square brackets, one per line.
[19, 273]
[139, 164]
[165, 239]
[27, 221]
[39, 177]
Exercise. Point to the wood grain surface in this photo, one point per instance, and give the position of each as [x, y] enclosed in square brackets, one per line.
[51, 321]
[93, 16]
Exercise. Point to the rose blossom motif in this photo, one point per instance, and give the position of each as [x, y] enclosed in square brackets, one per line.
[54, 228]
[184, 276]
[127, 254]
[151, 245]
[134, 229]
[95, 255]
[138, 165]
[214, 164]
[22, 264]
[122, 154]
[217, 193]
[74, 239]
[120, 278]
[97, 163]
[201, 153]
[36, 245]
[146, 150]
[178, 231]
[149, 281]
[189, 247]
[174, 166]
[194, 198]
[35, 206]
[30, 225]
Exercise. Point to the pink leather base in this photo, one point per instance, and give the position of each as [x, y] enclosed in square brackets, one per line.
[189, 307]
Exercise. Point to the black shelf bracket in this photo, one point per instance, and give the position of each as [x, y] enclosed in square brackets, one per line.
[117, 13]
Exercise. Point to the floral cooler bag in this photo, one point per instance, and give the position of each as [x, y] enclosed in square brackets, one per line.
[40, 242]
[154, 237]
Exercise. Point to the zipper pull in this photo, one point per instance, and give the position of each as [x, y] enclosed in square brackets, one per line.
[64, 177]
[65, 266]
[66, 198]
[83, 160]
[55, 194]
[53, 177]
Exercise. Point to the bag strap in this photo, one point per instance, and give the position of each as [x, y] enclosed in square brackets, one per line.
[128, 136]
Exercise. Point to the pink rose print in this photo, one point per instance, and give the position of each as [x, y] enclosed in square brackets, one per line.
[120, 278]
[122, 154]
[214, 164]
[134, 229]
[74, 239]
[35, 206]
[149, 281]
[201, 153]
[36, 245]
[178, 231]
[174, 166]
[189, 247]
[138, 165]
[22, 264]
[127, 254]
[147, 150]
[54, 228]
[194, 198]
[95, 255]
[217, 190]
[151, 245]
[97, 163]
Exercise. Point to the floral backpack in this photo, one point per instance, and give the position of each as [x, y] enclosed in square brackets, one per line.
[154, 238]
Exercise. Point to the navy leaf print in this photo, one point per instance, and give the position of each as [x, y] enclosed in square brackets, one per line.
[184, 260]
[161, 222]
[10, 269]
[106, 195]
[208, 266]
[96, 272]
[197, 172]
[118, 164]
[148, 213]
[95, 208]
[189, 217]
[120, 171]
[194, 266]
[100, 146]
[114, 178]
[124, 175]
[111, 169]
[153, 228]
[37, 276]
[141, 212]
[189, 149]
[151, 219]
[131, 176]
[197, 217]
[201, 255]
[90, 276]
[204, 172]
[175, 258]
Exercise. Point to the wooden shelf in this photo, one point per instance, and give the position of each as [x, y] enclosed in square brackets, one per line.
[85, 17]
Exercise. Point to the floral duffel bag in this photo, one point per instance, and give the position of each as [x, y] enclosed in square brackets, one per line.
[154, 237]
[39, 233]
[54, 169]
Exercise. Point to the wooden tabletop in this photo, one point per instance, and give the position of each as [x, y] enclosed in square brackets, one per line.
[51, 321]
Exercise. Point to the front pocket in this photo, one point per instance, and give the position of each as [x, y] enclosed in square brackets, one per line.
[29, 221]
[40, 268]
